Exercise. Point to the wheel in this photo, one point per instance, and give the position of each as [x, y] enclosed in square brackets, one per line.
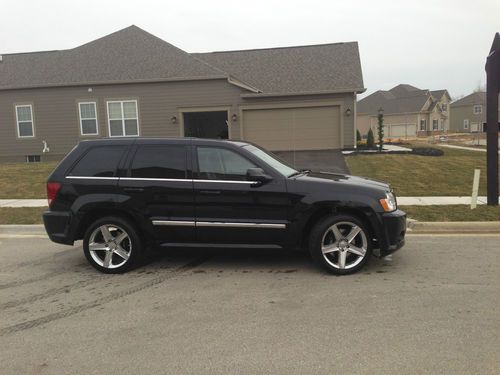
[112, 245]
[340, 244]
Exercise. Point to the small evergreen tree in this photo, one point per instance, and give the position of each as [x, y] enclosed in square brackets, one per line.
[358, 136]
[370, 140]
[380, 130]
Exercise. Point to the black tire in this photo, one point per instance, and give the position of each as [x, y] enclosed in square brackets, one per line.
[132, 245]
[327, 261]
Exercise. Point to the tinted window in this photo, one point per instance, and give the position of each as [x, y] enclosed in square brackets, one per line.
[99, 162]
[221, 164]
[159, 161]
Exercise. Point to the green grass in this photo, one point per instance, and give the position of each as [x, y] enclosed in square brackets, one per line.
[453, 213]
[415, 175]
[21, 215]
[23, 180]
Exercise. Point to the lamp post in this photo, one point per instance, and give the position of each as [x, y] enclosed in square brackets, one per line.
[380, 129]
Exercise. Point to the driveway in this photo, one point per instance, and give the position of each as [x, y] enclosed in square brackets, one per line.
[320, 160]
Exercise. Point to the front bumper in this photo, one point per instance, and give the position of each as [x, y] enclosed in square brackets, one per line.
[394, 231]
[57, 225]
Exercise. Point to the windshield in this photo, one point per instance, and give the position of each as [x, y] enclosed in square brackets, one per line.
[271, 160]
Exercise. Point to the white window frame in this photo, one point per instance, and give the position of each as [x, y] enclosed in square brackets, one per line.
[466, 124]
[123, 118]
[434, 121]
[32, 121]
[81, 119]
[479, 107]
[424, 123]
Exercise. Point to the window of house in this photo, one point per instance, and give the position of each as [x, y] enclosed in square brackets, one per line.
[33, 159]
[441, 124]
[435, 125]
[423, 125]
[466, 124]
[88, 118]
[24, 119]
[122, 118]
[478, 109]
[444, 107]
[159, 161]
[99, 162]
[222, 164]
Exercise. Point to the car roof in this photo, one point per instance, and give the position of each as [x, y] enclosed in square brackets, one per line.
[181, 140]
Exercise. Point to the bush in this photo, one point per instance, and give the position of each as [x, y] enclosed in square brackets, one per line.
[427, 151]
[370, 141]
[358, 136]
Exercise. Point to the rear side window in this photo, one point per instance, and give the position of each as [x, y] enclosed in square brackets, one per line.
[159, 161]
[222, 164]
[99, 162]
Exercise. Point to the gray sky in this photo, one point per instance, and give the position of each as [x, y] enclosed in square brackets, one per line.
[430, 44]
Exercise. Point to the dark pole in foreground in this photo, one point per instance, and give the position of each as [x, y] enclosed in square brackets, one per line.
[492, 89]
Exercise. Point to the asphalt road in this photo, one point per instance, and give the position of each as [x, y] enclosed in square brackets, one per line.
[435, 308]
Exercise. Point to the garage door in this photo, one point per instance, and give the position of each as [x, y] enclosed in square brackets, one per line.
[402, 131]
[312, 128]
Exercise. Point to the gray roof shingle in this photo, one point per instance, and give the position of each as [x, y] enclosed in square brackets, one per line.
[474, 98]
[289, 70]
[131, 54]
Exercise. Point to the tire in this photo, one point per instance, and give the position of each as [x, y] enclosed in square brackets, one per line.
[332, 247]
[112, 245]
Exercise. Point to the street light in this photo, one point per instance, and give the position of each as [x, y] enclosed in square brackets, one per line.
[381, 111]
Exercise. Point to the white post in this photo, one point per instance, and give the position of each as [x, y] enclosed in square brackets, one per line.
[475, 188]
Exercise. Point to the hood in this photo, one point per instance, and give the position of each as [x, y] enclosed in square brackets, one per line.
[345, 179]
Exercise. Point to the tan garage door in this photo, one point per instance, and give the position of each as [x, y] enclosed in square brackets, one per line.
[402, 131]
[312, 128]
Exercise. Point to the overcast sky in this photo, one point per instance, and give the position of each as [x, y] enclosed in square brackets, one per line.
[432, 44]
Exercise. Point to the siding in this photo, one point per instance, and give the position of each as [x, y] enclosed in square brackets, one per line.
[460, 113]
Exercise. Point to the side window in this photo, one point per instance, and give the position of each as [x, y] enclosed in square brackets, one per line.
[99, 162]
[222, 164]
[159, 161]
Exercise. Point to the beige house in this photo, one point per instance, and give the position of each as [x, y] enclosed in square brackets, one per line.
[408, 112]
[468, 114]
[131, 83]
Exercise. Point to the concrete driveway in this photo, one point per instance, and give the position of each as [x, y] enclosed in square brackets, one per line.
[320, 160]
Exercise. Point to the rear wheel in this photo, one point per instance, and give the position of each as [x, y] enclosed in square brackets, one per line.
[340, 244]
[111, 245]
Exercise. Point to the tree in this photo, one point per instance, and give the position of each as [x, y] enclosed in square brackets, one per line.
[358, 136]
[370, 140]
[380, 129]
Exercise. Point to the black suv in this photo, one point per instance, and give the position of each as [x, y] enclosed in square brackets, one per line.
[124, 196]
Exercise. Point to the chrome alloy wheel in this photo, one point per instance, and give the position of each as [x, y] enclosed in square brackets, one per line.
[110, 246]
[344, 245]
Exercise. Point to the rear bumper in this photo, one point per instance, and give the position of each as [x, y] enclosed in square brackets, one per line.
[394, 231]
[57, 225]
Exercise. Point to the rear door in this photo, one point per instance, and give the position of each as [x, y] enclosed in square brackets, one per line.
[232, 210]
[159, 188]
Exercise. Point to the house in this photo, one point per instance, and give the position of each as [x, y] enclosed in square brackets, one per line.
[131, 83]
[408, 111]
[468, 114]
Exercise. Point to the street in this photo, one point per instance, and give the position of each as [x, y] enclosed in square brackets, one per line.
[433, 308]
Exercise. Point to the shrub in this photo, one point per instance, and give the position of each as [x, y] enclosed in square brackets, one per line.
[358, 136]
[370, 140]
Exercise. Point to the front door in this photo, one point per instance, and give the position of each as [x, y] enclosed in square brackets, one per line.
[159, 188]
[232, 210]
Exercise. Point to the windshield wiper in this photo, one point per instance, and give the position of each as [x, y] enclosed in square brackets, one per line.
[301, 172]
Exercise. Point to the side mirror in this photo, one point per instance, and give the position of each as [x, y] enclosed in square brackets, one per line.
[258, 175]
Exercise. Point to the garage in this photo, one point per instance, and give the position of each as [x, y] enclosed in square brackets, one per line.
[283, 129]
[402, 131]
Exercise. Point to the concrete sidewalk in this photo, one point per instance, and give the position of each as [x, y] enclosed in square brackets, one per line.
[402, 201]
[465, 148]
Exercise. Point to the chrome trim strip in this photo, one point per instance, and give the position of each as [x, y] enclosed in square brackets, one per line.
[155, 179]
[228, 181]
[239, 225]
[91, 178]
[179, 223]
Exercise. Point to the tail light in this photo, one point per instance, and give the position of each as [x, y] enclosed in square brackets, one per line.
[52, 190]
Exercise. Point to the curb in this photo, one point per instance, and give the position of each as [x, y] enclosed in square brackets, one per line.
[453, 227]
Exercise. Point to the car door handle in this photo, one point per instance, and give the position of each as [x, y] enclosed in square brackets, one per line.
[133, 189]
[210, 192]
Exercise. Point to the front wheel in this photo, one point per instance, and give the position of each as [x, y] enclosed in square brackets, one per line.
[111, 245]
[340, 244]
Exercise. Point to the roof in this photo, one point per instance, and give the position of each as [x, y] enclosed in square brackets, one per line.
[402, 98]
[134, 55]
[474, 98]
[131, 54]
[289, 70]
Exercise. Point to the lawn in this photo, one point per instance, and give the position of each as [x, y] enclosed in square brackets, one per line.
[23, 180]
[22, 215]
[453, 213]
[415, 175]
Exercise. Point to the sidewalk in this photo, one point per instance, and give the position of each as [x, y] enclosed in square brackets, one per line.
[402, 201]
[465, 148]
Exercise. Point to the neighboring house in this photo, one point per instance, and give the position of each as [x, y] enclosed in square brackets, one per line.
[468, 114]
[131, 83]
[408, 111]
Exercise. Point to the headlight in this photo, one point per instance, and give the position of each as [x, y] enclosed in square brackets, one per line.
[389, 202]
